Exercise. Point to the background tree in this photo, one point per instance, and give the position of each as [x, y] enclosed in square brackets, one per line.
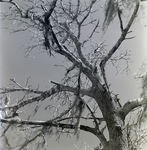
[58, 28]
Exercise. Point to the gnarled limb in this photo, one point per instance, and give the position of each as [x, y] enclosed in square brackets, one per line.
[130, 105]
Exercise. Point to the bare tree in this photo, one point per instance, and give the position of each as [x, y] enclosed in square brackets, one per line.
[58, 28]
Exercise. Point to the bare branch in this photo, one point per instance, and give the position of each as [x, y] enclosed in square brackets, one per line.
[45, 95]
[130, 105]
[11, 90]
[100, 120]
[47, 123]
[88, 12]
[120, 19]
[77, 63]
[99, 133]
[49, 12]
[27, 14]
[118, 43]
[27, 142]
[94, 30]
[78, 46]
[13, 3]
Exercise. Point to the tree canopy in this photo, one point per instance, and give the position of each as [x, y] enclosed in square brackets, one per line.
[83, 100]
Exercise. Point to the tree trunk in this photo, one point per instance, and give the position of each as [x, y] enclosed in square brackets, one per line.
[117, 138]
[114, 121]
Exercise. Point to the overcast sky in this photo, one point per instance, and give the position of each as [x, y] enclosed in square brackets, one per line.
[40, 68]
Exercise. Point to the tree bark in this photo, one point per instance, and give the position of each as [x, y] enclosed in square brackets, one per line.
[114, 120]
[117, 137]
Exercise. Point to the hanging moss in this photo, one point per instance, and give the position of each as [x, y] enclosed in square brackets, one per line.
[111, 8]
